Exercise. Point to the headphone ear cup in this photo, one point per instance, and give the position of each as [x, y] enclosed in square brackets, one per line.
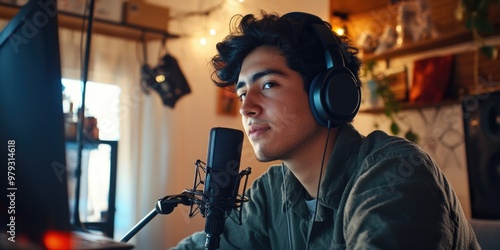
[335, 97]
[316, 100]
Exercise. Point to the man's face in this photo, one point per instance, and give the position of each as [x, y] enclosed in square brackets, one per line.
[275, 108]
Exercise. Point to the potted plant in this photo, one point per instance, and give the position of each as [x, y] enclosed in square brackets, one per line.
[379, 86]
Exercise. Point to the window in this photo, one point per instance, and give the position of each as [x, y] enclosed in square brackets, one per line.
[101, 102]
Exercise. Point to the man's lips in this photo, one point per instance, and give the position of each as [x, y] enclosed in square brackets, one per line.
[257, 130]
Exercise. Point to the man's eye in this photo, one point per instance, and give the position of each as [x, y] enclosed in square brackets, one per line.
[268, 85]
[242, 96]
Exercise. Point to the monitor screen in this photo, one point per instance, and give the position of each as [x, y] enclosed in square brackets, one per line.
[34, 197]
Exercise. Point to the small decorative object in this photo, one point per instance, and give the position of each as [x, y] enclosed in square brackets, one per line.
[371, 78]
[366, 42]
[414, 22]
[227, 102]
[431, 77]
[90, 129]
[388, 39]
[373, 98]
[398, 82]
[392, 82]
[391, 88]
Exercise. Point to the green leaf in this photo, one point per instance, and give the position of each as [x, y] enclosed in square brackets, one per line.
[482, 8]
[411, 136]
[482, 25]
[490, 51]
[394, 128]
[479, 23]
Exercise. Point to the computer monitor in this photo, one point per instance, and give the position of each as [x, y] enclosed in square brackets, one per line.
[34, 197]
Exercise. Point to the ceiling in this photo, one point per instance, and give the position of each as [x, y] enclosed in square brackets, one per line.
[185, 5]
[343, 6]
[356, 6]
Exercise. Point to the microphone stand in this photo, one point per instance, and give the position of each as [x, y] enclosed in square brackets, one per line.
[164, 205]
[191, 197]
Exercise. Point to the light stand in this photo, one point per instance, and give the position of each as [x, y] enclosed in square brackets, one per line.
[81, 116]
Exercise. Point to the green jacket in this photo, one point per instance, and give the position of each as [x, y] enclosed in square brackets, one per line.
[378, 192]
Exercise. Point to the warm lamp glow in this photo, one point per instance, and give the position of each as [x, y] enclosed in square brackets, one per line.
[212, 32]
[340, 31]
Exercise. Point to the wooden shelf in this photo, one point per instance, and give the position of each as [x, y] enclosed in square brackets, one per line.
[362, 16]
[370, 15]
[100, 26]
[356, 6]
[451, 38]
[412, 106]
[444, 40]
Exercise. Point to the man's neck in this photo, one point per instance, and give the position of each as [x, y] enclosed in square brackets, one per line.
[306, 163]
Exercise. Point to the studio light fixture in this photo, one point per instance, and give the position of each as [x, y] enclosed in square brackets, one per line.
[166, 79]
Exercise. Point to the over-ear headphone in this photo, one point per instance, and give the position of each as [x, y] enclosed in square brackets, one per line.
[335, 94]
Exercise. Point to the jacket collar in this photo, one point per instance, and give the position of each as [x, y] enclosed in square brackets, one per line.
[340, 167]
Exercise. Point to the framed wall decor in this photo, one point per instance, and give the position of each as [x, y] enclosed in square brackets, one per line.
[398, 82]
[227, 102]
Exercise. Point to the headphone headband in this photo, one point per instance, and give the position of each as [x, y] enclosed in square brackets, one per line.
[329, 43]
[334, 95]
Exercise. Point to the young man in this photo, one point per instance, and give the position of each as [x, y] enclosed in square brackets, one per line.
[335, 188]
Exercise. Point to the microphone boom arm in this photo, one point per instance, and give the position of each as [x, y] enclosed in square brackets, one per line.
[164, 205]
[192, 197]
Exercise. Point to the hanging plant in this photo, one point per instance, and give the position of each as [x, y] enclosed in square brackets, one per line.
[474, 13]
[391, 106]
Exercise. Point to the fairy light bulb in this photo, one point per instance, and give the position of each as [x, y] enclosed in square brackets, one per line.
[340, 31]
[212, 32]
[203, 41]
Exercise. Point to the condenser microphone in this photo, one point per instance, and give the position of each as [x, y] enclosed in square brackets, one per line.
[221, 181]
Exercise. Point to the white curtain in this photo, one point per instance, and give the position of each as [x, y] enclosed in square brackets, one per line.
[144, 129]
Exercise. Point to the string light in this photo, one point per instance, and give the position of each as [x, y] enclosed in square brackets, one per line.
[203, 41]
[212, 32]
[340, 31]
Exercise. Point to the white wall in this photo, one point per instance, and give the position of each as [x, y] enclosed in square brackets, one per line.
[440, 131]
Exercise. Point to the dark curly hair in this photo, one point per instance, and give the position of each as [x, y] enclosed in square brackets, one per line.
[294, 38]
